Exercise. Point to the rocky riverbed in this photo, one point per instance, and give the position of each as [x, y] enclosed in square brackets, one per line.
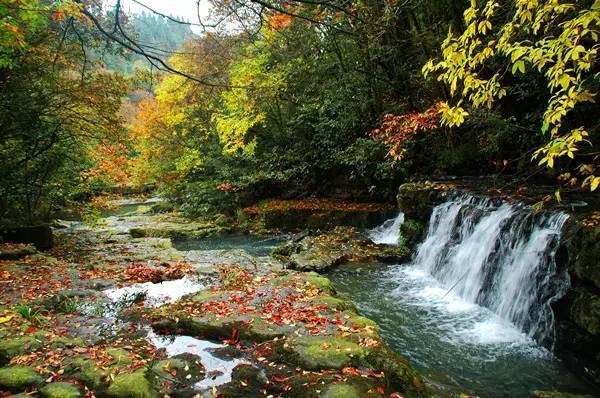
[111, 311]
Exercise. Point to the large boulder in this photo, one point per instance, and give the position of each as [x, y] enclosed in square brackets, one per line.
[417, 199]
[341, 245]
[577, 313]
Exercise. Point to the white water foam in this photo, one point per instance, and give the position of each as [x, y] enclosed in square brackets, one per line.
[499, 256]
[387, 233]
[461, 322]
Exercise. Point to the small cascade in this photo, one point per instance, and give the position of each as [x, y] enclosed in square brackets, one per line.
[387, 233]
[500, 256]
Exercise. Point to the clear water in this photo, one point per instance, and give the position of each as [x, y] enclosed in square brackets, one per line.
[218, 370]
[254, 245]
[458, 346]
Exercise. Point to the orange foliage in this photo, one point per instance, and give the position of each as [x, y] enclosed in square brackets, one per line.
[280, 21]
[112, 164]
[395, 131]
[316, 204]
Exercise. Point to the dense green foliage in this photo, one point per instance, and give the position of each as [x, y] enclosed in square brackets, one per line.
[306, 98]
[53, 110]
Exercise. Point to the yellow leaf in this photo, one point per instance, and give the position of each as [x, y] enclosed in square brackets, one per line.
[7, 318]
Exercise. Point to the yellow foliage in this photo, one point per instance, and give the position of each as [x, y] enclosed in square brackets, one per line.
[565, 58]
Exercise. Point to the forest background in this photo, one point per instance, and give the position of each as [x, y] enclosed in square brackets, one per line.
[335, 98]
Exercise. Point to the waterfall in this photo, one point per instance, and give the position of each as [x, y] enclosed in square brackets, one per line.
[387, 233]
[498, 255]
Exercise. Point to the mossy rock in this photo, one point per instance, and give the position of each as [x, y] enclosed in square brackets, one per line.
[586, 312]
[334, 302]
[174, 373]
[60, 390]
[324, 352]
[120, 356]
[400, 374]
[132, 385]
[416, 200]
[207, 295]
[411, 233]
[18, 378]
[320, 282]
[13, 347]
[177, 231]
[66, 341]
[91, 375]
[249, 327]
[587, 248]
[162, 207]
[342, 390]
[247, 381]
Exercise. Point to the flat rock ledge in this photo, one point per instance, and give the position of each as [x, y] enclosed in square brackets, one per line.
[340, 246]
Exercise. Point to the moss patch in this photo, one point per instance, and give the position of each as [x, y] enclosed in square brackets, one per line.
[60, 390]
[342, 391]
[19, 377]
[132, 385]
[12, 347]
[324, 352]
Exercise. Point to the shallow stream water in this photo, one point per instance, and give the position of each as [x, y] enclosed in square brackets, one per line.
[253, 245]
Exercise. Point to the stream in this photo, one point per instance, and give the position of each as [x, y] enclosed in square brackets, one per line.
[470, 311]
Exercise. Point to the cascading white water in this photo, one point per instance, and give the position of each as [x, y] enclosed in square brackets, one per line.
[497, 255]
[387, 233]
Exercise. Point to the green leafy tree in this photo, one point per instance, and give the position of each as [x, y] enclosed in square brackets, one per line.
[557, 40]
